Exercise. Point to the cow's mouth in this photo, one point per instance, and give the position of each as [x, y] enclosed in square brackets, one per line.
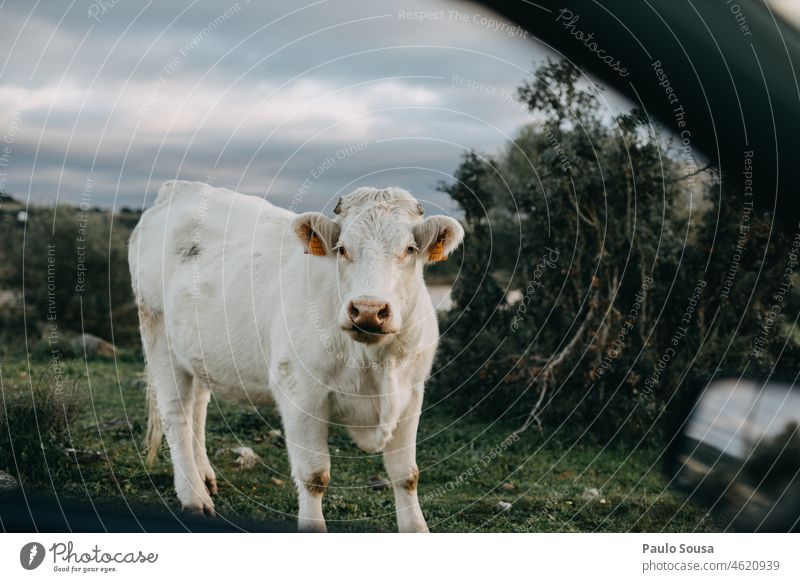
[365, 336]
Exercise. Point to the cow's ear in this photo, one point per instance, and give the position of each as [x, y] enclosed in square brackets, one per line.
[437, 237]
[317, 232]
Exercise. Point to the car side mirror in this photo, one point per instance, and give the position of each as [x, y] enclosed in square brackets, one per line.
[738, 454]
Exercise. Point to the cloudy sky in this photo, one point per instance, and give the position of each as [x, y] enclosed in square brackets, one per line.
[293, 101]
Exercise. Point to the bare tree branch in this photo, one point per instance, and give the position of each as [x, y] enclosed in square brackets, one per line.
[547, 374]
[705, 168]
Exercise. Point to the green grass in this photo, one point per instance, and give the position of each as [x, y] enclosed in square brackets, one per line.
[459, 489]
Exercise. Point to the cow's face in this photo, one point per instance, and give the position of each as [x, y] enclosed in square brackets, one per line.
[380, 242]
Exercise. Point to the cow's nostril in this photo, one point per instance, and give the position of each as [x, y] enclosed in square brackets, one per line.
[368, 315]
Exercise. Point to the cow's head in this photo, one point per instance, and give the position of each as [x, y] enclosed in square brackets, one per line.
[380, 241]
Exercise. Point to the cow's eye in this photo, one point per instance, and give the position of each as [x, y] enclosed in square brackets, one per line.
[411, 250]
[342, 251]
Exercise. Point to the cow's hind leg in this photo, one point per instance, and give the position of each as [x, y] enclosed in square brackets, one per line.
[176, 403]
[175, 398]
[202, 396]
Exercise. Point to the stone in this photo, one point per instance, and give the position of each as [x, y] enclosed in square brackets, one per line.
[7, 483]
[590, 494]
[247, 458]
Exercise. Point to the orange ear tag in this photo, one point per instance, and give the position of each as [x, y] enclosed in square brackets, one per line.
[437, 253]
[315, 246]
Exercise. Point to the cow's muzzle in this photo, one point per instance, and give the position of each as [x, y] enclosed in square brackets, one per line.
[369, 319]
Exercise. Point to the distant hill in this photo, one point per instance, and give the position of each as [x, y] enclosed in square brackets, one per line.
[8, 202]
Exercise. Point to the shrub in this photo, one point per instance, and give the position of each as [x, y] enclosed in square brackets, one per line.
[35, 417]
[70, 267]
[623, 249]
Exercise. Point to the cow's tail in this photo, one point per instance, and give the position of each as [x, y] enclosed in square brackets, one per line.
[155, 430]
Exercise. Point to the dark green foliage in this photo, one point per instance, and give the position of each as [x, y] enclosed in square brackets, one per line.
[70, 267]
[621, 257]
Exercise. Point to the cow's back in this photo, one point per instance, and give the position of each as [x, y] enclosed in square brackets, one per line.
[204, 257]
[189, 228]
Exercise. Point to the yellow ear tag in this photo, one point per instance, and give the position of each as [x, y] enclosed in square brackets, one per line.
[437, 253]
[315, 246]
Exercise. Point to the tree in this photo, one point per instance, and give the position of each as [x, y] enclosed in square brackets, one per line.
[613, 229]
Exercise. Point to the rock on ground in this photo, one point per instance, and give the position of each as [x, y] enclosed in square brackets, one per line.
[589, 494]
[94, 346]
[7, 482]
[247, 458]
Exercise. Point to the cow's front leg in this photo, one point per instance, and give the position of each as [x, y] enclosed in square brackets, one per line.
[306, 428]
[400, 458]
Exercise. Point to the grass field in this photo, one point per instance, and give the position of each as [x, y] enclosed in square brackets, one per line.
[464, 467]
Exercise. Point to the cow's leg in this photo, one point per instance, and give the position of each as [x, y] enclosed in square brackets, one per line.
[175, 395]
[174, 391]
[305, 422]
[400, 459]
[202, 396]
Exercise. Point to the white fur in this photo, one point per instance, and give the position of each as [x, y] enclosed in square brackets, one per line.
[229, 301]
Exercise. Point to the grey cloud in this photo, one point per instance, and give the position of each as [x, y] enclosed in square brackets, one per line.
[102, 103]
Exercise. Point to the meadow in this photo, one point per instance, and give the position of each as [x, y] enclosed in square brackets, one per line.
[468, 467]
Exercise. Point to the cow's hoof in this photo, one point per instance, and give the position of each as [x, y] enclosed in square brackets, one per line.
[312, 526]
[414, 526]
[211, 486]
[193, 512]
[200, 507]
[200, 512]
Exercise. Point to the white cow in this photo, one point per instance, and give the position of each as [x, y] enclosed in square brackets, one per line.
[330, 319]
